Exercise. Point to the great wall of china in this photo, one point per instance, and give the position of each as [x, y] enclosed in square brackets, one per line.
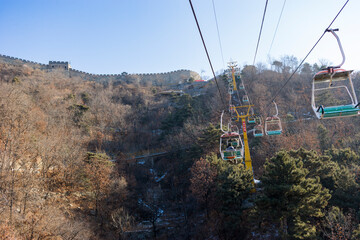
[173, 77]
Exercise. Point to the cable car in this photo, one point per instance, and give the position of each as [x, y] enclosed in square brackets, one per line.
[273, 124]
[258, 129]
[230, 91]
[333, 93]
[231, 147]
[251, 118]
[245, 98]
[241, 86]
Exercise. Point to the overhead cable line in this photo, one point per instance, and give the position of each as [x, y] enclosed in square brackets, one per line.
[287, 81]
[207, 54]
[277, 26]
[218, 32]
[262, 23]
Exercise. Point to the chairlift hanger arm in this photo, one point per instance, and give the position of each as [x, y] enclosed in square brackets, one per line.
[221, 126]
[277, 111]
[340, 46]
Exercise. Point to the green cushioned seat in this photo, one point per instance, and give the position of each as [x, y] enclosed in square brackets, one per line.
[343, 110]
[258, 134]
[228, 154]
[277, 132]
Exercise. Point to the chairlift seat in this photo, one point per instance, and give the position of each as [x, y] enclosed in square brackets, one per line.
[238, 154]
[275, 132]
[342, 110]
[258, 134]
[251, 120]
[228, 155]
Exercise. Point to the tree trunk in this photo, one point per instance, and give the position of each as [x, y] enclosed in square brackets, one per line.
[154, 228]
[25, 201]
[284, 227]
[12, 194]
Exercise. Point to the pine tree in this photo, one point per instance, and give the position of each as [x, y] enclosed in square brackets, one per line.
[318, 165]
[234, 183]
[209, 140]
[323, 138]
[356, 233]
[290, 197]
[346, 190]
[344, 157]
[338, 179]
[337, 225]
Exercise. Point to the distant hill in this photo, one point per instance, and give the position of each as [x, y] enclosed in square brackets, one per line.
[156, 79]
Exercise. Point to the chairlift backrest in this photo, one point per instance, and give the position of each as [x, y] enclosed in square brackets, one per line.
[332, 75]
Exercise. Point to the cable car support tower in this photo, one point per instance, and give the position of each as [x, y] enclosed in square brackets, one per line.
[232, 66]
[243, 112]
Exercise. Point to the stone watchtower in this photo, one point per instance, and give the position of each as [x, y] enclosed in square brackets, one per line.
[59, 65]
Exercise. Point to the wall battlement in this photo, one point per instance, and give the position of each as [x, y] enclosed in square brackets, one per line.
[167, 78]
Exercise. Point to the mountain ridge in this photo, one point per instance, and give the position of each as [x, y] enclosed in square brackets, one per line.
[157, 79]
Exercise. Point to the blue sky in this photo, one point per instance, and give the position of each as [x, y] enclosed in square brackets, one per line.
[140, 36]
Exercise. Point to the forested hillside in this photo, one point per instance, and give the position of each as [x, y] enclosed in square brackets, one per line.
[124, 160]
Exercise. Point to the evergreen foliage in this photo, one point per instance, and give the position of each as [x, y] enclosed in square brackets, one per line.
[323, 137]
[182, 111]
[290, 197]
[346, 192]
[338, 179]
[344, 157]
[356, 233]
[318, 166]
[233, 186]
[337, 225]
[209, 139]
